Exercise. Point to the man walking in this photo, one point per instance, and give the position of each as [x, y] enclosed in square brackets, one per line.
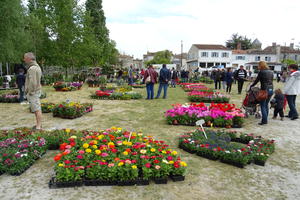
[240, 76]
[130, 75]
[174, 77]
[164, 78]
[21, 84]
[33, 87]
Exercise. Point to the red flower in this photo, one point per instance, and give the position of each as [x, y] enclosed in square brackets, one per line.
[80, 157]
[148, 165]
[156, 161]
[67, 162]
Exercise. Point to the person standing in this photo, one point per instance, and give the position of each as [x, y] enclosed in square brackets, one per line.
[217, 77]
[229, 80]
[265, 77]
[223, 79]
[174, 77]
[130, 75]
[292, 89]
[240, 76]
[21, 84]
[150, 78]
[33, 87]
[164, 78]
[279, 104]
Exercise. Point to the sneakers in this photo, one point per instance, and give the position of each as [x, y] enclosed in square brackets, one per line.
[293, 118]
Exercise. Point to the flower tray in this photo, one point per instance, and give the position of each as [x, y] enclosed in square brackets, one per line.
[210, 157]
[89, 182]
[160, 180]
[18, 173]
[127, 183]
[240, 165]
[259, 162]
[55, 184]
[141, 182]
[176, 178]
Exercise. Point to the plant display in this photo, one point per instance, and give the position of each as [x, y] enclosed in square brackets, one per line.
[67, 86]
[71, 110]
[120, 93]
[19, 150]
[188, 87]
[208, 97]
[223, 146]
[13, 97]
[115, 156]
[138, 85]
[217, 115]
[47, 107]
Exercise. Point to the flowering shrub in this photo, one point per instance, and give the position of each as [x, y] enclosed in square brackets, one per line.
[116, 155]
[71, 110]
[65, 86]
[111, 95]
[219, 115]
[218, 145]
[207, 96]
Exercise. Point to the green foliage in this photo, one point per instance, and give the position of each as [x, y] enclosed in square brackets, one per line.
[161, 57]
[289, 62]
[236, 39]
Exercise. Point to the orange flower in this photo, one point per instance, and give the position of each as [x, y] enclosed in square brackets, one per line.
[116, 159]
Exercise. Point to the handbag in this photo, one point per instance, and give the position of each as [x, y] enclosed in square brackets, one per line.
[148, 79]
[262, 95]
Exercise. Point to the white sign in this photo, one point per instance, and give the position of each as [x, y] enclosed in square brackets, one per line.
[199, 123]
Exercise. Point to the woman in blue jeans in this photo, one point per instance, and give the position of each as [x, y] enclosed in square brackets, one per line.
[292, 89]
[150, 78]
[265, 77]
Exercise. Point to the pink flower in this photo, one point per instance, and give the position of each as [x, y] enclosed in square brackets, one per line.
[104, 154]
[157, 167]
[169, 158]
[80, 157]
[148, 165]
[81, 151]
[111, 165]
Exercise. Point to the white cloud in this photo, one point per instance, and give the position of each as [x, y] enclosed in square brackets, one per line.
[141, 25]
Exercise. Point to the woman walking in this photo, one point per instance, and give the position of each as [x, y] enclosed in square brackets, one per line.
[265, 77]
[150, 78]
[229, 80]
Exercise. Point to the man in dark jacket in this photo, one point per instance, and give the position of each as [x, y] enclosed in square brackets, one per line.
[164, 78]
[240, 76]
[21, 83]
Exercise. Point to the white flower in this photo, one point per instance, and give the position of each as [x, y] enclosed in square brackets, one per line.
[239, 150]
[165, 161]
[251, 142]
[227, 151]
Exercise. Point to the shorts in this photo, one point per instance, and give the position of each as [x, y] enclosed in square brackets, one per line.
[34, 101]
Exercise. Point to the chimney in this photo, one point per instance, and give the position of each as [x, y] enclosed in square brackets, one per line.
[239, 46]
[291, 45]
[274, 44]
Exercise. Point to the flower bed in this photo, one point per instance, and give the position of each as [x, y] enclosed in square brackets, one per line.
[207, 97]
[111, 95]
[47, 107]
[19, 150]
[188, 87]
[115, 157]
[66, 87]
[13, 97]
[71, 110]
[223, 146]
[217, 115]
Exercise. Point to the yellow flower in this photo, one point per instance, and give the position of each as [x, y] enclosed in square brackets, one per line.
[140, 134]
[129, 143]
[61, 165]
[183, 164]
[100, 137]
[171, 162]
[164, 152]
[73, 136]
[120, 164]
[85, 145]
[174, 153]
[133, 133]
[125, 142]
[119, 129]
[152, 150]
[68, 130]
[95, 147]
[110, 143]
[97, 151]
[88, 150]
[125, 153]
[134, 167]
[95, 142]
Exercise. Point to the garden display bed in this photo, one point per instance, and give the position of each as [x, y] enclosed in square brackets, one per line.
[138, 85]
[68, 110]
[118, 94]
[238, 149]
[67, 86]
[115, 157]
[207, 97]
[13, 97]
[215, 115]
[200, 87]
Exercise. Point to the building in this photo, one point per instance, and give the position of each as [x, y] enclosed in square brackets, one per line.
[138, 63]
[125, 60]
[284, 52]
[208, 55]
[177, 61]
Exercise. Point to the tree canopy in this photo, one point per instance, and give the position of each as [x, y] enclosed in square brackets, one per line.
[161, 57]
[237, 39]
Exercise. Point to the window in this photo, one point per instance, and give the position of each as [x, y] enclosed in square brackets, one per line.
[204, 54]
[257, 58]
[214, 54]
[268, 58]
[225, 55]
[240, 57]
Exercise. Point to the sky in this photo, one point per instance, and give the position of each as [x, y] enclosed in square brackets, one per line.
[139, 26]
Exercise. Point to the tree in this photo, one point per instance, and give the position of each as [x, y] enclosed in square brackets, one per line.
[289, 61]
[161, 57]
[237, 39]
[13, 37]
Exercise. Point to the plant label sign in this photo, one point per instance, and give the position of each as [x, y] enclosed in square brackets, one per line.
[199, 123]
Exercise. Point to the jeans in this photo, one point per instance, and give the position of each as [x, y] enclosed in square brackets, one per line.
[165, 86]
[264, 107]
[280, 111]
[21, 89]
[150, 90]
[240, 86]
[217, 82]
[173, 83]
[228, 88]
[291, 99]
[130, 81]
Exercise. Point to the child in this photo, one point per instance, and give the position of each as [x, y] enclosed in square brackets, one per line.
[279, 100]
